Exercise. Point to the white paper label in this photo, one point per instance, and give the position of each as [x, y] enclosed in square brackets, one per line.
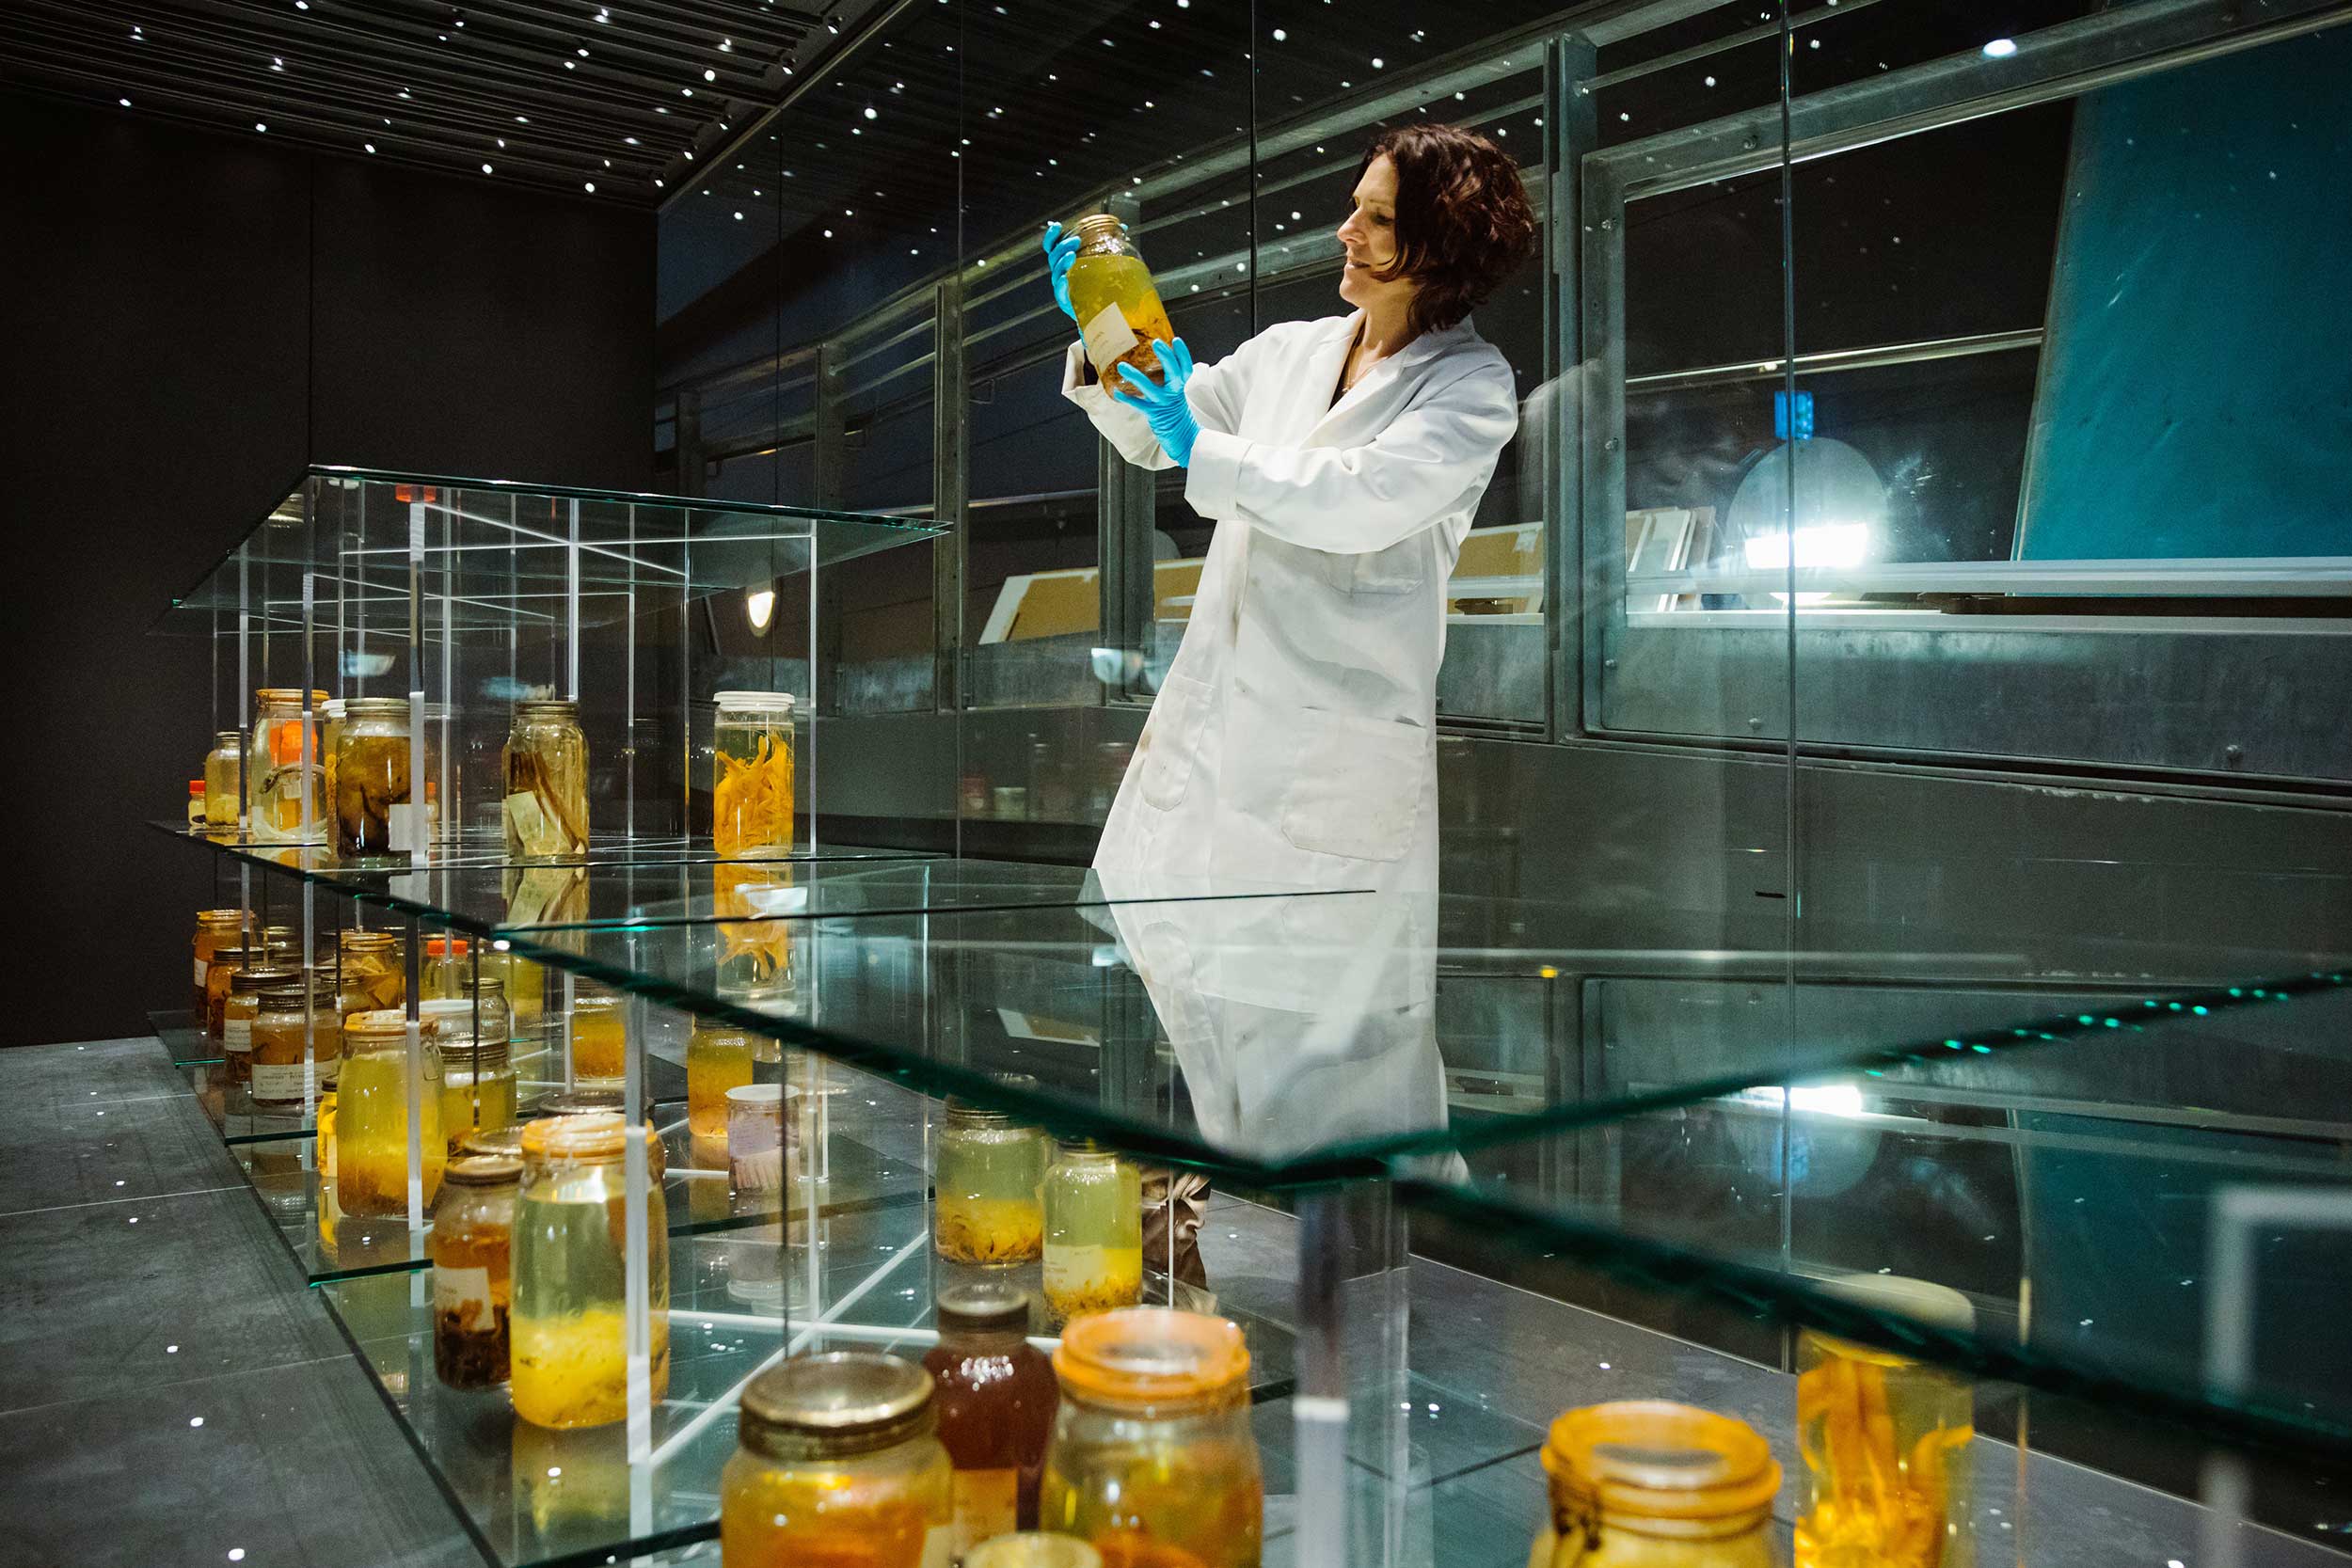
[939, 1547]
[236, 1033]
[281, 1083]
[1107, 336]
[398, 818]
[464, 1293]
[201, 970]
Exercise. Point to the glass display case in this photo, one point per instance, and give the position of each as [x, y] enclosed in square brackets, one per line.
[1886, 990]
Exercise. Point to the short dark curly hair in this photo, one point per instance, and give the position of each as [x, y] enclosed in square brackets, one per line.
[1462, 223]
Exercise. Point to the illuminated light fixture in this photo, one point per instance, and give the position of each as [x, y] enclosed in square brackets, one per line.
[759, 605]
[486, 168]
[2000, 49]
[124, 101]
[709, 75]
[259, 126]
[1820, 545]
[369, 145]
[592, 187]
[871, 114]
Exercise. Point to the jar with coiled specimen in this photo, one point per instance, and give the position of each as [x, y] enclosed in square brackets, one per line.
[1652, 1484]
[570, 1343]
[546, 809]
[989, 1171]
[751, 774]
[1118, 306]
[1093, 1232]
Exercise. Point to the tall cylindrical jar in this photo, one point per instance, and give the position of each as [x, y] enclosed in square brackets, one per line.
[224, 784]
[546, 809]
[372, 1117]
[571, 1269]
[227, 960]
[479, 1084]
[838, 1461]
[473, 1282]
[1119, 308]
[1093, 1232]
[373, 817]
[989, 1171]
[1152, 1446]
[1651, 1484]
[285, 800]
[751, 774]
[719, 1057]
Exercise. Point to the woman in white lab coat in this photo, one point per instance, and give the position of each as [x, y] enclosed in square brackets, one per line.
[1294, 738]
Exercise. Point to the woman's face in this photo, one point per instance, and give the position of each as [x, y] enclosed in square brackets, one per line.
[1369, 236]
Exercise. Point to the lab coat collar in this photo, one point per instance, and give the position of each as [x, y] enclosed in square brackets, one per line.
[1331, 356]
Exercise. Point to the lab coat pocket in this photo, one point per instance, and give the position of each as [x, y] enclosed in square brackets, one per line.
[1355, 784]
[1173, 737]
[1399, 569]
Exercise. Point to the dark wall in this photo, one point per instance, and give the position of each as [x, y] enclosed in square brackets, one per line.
[186, 321]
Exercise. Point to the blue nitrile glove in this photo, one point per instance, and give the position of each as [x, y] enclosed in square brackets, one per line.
[1162, 403]
[1060, 252]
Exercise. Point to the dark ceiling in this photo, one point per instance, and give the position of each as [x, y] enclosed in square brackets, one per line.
[554, 94]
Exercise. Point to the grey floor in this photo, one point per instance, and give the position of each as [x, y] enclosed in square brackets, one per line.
[170, 1393]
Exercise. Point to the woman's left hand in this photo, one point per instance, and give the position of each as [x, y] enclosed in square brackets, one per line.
[1161, 404]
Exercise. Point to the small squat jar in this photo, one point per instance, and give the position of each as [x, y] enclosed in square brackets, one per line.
[286, 770]
[239, 1010]
[372, 1117]
[373, 815]
[224, 782]
[473, 1282]
[546, 809]
[571, 1323]
[990, 1173]
[997, 1401]
[277, 1065]
[1652, 1484]
[1093, 1204]
[719, 1057]
[751, 775]
[838, 1461]
[1152, 1458]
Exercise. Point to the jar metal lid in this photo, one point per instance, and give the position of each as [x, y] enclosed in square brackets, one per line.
[547, 708]
[754, 702]
[1140, 1356]
[483, 1170]
[504, 1141]
[1653, 1459]
[247, 981]
[290, 694]
[1099, 223]
[841, 1403]
[376, 707]
[1033, 1549]
[368, 941]
[596, 1136]
[578, 1101]
[757, 1096]
[964, 1111]
[983, 1309]
[220, 917]
[225, 740]
[472, 1053]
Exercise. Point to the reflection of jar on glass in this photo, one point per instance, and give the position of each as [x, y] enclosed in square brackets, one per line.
[281, 786]
[1884, 1441]
[751, 774]
[1651, 1484]
[373, 815]
[989, 1175]
[1152, 1458]
[278, 1049]
[370, 972]
[372, 1117]
[599, 1036]
[546, 808]
[473, 1282]
[996, 1399]
[224, 784]
[1093, 1248]
[838, 1461]
[570, 1338]
[719, 1057]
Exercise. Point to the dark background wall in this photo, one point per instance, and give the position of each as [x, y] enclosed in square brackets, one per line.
[186, 321]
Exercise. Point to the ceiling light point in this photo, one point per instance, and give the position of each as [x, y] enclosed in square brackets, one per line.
[709, 75]
[369, 145]
[592, 186]
[124, 101]
[486, 168]
[259, 126]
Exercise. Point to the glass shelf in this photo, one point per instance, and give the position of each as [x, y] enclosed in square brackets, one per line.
[2073, 1195]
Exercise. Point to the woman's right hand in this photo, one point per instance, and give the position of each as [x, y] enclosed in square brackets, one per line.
[1060, 250]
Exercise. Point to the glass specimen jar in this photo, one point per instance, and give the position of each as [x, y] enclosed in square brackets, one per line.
[505, 1140]
[285, 800]
[478, 1087]
[990, 1173]
[751, 774]
[1884, 1440]
[224, 784]
[240, 1006]
[331, 732]
[546, 809]
[372, 1117]
[1093, 1232]
[371, 973]
[448, 967]
[226, 961]
[473, 1008]
[570, 1335]
[755, 1137]
[473, 1283]
[838, 1461]
[1151, 1459]
[443, 770]
[278, 1065]
[1651, 1484]
[719, 1057]
[372, 813]
[1119, 308]
[215, 929]
[599, 1033]
[996, 1399]
[1033, 1549]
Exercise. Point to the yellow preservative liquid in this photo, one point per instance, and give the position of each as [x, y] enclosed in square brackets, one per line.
[1119, 308]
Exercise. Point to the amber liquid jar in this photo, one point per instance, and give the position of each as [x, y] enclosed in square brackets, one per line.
[546, 809]
[278, 1075]
[370, 972]
[240, 1009]
[1651, 1484]
[1118, 306]
[996, 1399]
[839, 1466]
[474, 1281]
[215, 929]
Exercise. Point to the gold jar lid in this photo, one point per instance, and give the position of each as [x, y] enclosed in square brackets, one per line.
[357, 941]
[377, 1023]
[1654, 1462]
[963, 1112]
[245, 982]
[833, 1405]
[483, 1170]
[225, 740]
[376, 707]
[546, 708]
[210, 918]
[578, 1101]
[473, 1054]
[1033, 1549]
[506, 1142]
[289, 694]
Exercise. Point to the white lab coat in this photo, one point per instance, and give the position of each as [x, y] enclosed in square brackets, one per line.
[1293, 739]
